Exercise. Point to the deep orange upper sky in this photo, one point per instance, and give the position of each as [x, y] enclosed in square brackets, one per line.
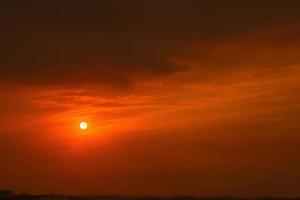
[181, 97]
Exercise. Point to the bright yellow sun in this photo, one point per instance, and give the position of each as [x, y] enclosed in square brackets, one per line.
[83, 125]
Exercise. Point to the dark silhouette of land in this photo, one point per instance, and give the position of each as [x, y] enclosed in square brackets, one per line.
[9, 195]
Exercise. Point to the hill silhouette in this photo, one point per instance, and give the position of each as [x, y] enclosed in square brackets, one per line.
[9, 195]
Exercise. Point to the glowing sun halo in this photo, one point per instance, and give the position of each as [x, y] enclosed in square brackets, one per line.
[83, 125]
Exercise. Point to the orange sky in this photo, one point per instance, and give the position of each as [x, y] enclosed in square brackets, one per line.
[196, 98]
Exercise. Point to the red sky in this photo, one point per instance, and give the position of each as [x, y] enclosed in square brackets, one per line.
[196, 98]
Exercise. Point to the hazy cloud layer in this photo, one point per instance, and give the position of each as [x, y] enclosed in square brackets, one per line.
[117, 43]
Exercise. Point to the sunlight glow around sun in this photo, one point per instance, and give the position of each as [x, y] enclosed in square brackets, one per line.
[83, 125]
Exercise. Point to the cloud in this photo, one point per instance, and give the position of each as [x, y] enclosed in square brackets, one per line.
[70, 43]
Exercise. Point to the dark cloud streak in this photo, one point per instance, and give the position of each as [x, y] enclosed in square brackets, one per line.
[115, 43]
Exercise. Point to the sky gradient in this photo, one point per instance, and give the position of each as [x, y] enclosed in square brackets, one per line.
[181, 97]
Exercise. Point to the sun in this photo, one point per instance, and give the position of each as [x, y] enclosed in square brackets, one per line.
[83, 125]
